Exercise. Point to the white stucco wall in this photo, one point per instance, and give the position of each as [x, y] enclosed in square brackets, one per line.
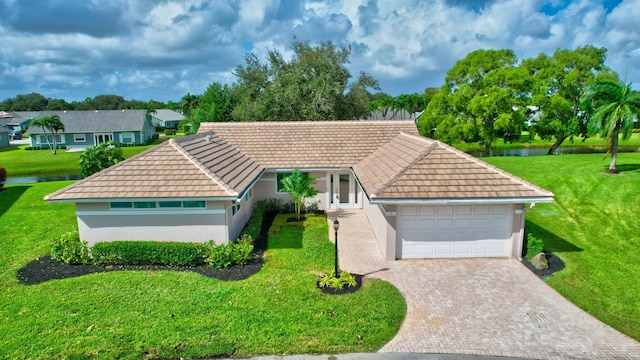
[382, 228]
[97, 223]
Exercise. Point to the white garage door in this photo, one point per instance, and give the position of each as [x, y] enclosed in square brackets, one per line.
[451, 231]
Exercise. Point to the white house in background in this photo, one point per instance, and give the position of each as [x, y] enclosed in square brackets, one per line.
[86, 128]
[423, 198]
[166, 118]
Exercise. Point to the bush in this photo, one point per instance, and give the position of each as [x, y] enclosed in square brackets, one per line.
[69, 249]
[149, 253]
[98, 158]
[170, 132]
[60, 147]
[3, 177]
[220, 256]
[338, 283]
[534, 246]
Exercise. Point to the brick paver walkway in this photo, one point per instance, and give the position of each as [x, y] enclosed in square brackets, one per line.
[478, 306]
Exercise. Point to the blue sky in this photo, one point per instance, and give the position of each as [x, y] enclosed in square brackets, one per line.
[163, 50]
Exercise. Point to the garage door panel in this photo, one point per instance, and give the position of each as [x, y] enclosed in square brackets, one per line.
[455, 231]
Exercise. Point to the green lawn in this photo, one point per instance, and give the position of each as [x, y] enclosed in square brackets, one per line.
[594, 226]
[164, 314]
[18, 161]
[536, 142]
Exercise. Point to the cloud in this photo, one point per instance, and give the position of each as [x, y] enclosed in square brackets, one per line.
[162, 49]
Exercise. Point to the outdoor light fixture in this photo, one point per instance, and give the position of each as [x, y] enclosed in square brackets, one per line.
[336, 226]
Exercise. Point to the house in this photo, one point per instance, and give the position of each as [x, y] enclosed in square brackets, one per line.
[4, 137]
[86, 128]
[18, 120]
[166, 118]
[423, 198]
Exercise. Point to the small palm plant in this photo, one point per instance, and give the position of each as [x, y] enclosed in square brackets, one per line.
[299, 188]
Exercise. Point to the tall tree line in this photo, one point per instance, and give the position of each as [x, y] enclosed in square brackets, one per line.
[490, 95]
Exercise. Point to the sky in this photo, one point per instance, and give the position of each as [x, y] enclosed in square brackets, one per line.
[162, 50]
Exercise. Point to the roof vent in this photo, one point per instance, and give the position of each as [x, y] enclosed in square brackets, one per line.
[208, 137]
[96, 110]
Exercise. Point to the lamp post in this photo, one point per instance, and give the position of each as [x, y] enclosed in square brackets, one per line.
[336, 225]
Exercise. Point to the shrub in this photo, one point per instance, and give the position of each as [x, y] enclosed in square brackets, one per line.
[272, 206]
[149, 253]
[69, 249]
[97, 158]
[170, 132]
[220, 256]
[534, 246]
[60, 147]
[338, 283]
[3, 177]
[241, 251]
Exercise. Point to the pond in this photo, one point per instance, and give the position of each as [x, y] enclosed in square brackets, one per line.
[41, 178]
[561, 150]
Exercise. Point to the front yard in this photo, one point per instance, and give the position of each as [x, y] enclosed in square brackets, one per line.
[594, 226]
[165, 314]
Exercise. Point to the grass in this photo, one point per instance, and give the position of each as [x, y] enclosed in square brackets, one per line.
[536, 142]
[594, 226]
[164, 314]
[18, 161]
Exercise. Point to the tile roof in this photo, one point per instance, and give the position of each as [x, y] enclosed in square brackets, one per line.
[389, 158]
[201, 165]
[309, 144]
[82, 121]
[413, 167]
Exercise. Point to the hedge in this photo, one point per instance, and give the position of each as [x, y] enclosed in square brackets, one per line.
[148, 253]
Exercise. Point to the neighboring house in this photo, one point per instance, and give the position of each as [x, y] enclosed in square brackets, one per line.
[86, 128]
[15, 120]
[423, 198]
[4, 137]
[166, 118]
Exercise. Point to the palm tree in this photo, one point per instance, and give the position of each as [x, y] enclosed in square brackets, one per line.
[616, 106]
[53, 124]
[298, 185]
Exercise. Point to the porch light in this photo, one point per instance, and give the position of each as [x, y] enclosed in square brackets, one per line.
[336, 226]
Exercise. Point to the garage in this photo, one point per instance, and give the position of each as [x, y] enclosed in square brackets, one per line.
[454, 231]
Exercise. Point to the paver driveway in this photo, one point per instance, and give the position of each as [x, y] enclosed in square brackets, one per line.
[478, 306]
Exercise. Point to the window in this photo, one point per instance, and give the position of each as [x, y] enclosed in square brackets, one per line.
[144, 205]
[247, 196]
[127, 138]
[43, 139]
[235, 209]
[122, 205]
[170, 204]
[282, 175]
[198, 204]
[79, 138]
[194, 204]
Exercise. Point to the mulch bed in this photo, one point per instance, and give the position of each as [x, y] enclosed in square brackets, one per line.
[45, 268]
[555, 264]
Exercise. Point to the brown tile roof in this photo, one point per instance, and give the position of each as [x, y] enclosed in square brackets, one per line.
[309, 144]
[184, 168]
[413, 167]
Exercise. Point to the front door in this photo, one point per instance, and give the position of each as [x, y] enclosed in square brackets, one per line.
[343, 190]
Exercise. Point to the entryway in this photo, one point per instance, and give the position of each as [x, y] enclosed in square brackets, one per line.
[343, 191]
[102, 138]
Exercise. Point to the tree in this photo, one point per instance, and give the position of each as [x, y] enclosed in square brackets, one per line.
[559, 82]
[216, 104]
[3, 177]
[26, 102]
[299, 188]
[483, 97]
[98, 158]
[616, 106]
[53, 124]
[314, 85]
